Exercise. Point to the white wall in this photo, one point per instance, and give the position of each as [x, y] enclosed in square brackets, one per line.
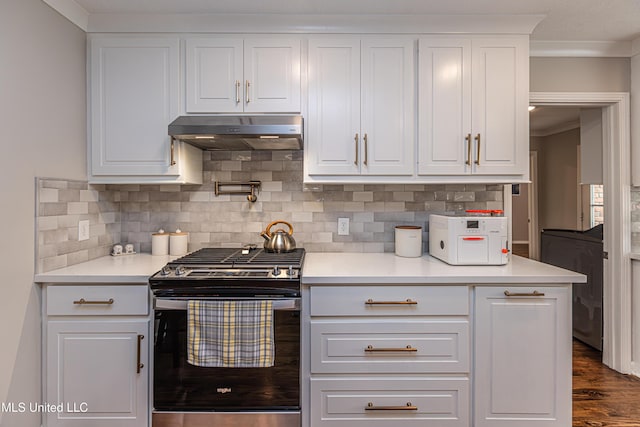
[579, 74]
[43, 122]
[635, 180]
[635, 117]
[520, 214]
[558, 178]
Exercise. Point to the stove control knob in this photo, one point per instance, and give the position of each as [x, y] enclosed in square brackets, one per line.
[291, 271]
[276, 271]
[180, 271]
[165, 271]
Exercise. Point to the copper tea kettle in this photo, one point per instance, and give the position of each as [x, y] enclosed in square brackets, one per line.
[279, 240]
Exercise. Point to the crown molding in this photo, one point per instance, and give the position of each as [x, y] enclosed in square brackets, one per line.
[72, 11]
[280, 23]
[546, 48]
[284, 23]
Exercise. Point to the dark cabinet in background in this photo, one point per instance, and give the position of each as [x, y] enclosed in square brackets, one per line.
[580, 251]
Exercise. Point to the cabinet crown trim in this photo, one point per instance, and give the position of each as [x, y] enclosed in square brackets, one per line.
[301, 24]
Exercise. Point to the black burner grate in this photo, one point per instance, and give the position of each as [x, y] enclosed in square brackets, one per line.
[231, 257]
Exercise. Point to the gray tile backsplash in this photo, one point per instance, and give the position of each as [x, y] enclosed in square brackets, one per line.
[61, 204]
[130, 213]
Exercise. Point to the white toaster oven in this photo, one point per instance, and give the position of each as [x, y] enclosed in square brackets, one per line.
[469, 240]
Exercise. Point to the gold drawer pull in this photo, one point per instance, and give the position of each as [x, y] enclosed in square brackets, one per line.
[524, 294]
[371, 349]
[82, 301]
[139, 364]
[408, 407]
[355, 162]
[408, 301]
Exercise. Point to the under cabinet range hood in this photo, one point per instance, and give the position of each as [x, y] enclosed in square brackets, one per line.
[258, 132]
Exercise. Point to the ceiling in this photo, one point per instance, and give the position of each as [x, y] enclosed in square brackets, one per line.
[566, 20]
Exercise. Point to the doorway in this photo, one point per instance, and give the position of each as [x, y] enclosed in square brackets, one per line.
[566, 153]
[617, 233]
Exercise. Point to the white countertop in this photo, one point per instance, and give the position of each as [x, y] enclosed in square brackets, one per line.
[371, 268]
[333, 268]
[134, 268]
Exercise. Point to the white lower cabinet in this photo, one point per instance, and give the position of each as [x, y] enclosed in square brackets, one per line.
[522, 356]
[444, 355]
[96, 357]
[389, 354]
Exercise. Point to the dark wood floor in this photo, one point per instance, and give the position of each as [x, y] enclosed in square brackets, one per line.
[520, 250]
[602, 396]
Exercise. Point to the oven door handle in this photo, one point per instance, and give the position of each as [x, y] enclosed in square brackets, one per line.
[181, 304]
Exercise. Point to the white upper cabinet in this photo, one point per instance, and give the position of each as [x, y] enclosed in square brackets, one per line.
[474, 93]
[361, 107]
[134, 95]
[332, 143]
[445, 106]
[242, 75]
[214, 77]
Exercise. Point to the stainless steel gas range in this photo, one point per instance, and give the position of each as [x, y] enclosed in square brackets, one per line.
[189, 395]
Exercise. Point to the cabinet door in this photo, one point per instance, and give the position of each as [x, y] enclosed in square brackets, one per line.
[388, 112]
[333, 143]
[134, 96]
[92, 370]
[444, 145]
[523, 357]
[272, 75]
[214, 78]
[500, 118]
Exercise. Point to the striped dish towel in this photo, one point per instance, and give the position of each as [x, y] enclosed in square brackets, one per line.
[230, 334]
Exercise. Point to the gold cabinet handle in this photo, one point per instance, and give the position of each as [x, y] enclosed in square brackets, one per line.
[468, 139]
[408, 301]
[139, 365]
[237, 91]
[356, 139]
[83, 301]
[477, 138]
[247, 91]
[366, 149]
[172, 160]
[408, 407]
[372, 349]
[524, 294]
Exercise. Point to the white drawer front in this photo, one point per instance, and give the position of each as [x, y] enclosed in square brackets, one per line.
[389, 300]
[376, 346]
[437, 402]
[97, 300]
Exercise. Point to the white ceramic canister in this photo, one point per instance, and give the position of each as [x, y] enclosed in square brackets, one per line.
[178, 243]
[160, 243]
[408, 241]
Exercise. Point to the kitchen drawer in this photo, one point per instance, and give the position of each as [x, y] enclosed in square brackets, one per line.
[389, 300]
[438, 402]
[436, 346]
[97, 300]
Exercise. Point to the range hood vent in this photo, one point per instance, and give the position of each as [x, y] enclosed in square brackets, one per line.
[265, 132]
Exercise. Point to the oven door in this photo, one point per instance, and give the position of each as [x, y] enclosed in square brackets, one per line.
[181, 387]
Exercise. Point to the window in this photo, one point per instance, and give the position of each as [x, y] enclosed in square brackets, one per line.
[596, 204]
